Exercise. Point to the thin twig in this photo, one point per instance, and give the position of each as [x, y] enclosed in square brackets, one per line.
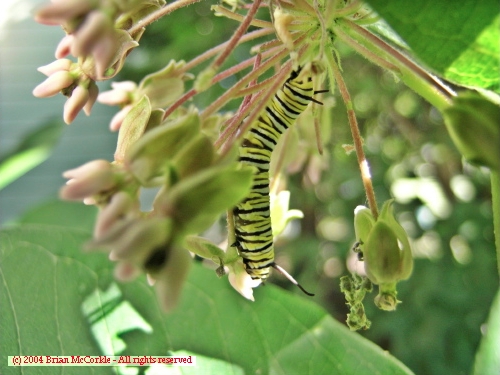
[356, 136]
[224, 98]
[238, 17]
[234, 41]
[155, 16]
[213, 51]
[366, 52]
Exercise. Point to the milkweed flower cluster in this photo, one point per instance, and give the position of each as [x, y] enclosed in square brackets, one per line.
[188, 155]
[97, 35]
[152, 241]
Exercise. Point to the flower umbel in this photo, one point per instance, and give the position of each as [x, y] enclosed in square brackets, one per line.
[66, 77]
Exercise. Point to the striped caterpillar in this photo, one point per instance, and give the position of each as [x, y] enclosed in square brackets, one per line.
[252, 217]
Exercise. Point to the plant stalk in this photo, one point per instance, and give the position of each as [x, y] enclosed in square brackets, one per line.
[495, 201]
[356, 136]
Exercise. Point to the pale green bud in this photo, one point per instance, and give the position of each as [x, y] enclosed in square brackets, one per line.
[164, 86]
[204, 79]
[386, 250]
[170, 279]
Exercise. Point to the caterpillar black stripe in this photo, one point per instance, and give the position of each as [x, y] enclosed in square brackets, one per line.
[254, 238]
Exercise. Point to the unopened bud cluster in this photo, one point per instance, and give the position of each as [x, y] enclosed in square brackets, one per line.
[97, 35]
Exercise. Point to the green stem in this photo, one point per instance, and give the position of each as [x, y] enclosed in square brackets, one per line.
[495, 195]
[414, 76]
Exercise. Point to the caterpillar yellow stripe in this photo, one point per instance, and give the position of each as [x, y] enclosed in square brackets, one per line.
[252, 217]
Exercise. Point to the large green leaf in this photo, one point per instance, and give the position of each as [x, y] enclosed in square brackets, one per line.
[33, 149]
[57, 300]
[67, 214]
[457, 39]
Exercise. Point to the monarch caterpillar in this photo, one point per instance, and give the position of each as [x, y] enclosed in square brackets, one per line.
[252, 217]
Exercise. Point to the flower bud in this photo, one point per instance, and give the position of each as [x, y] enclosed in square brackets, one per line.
[63, 49]
[95, 26]
[122, 93]
[53, 84]
[164, 86]
[93, 93]
[75, 103]
[60, 12]
[136, 240]
[171, 278]
[55, 66]
[87, 180]
[117, 120]
[386, 250]
[120, 206]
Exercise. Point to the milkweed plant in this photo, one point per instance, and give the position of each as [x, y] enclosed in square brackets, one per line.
[190, 153]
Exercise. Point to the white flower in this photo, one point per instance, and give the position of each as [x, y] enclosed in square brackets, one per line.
[241, 281]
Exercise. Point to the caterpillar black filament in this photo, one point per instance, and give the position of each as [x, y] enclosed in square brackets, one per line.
[254, 238]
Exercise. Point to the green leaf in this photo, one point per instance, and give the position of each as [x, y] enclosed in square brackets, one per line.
[133, 127]
[280, 333]
[488, 356]
[457, 39]
[42, 288]
[195, 156]
[203, 248]
[148, 156]
[199, 199]
[33, 150]
[67, 214]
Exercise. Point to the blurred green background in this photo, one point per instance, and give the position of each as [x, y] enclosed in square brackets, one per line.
[444, 204]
